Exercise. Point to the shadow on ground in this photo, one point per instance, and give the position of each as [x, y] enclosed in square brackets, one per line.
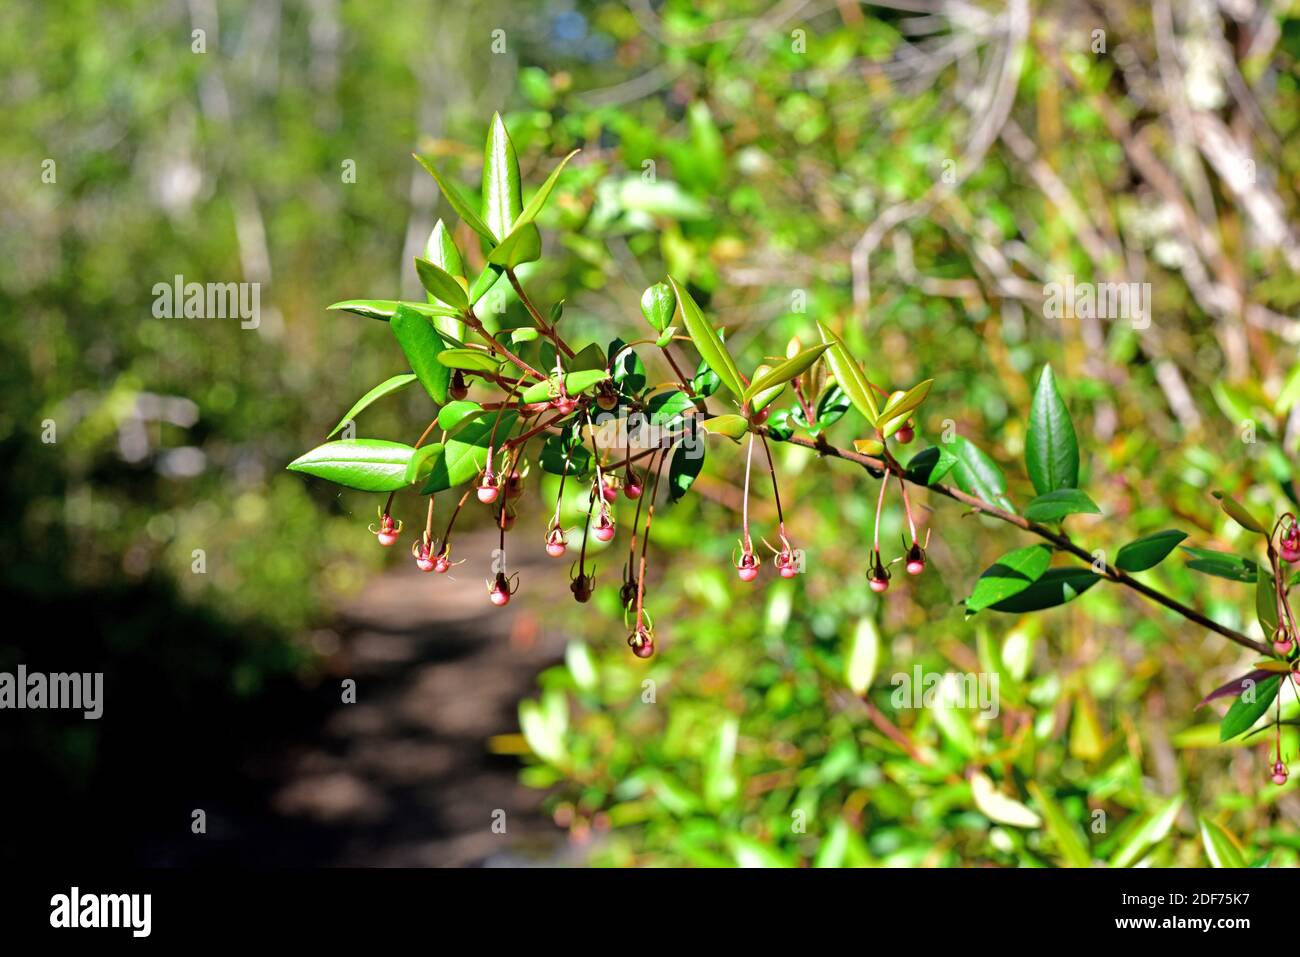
[292, 776]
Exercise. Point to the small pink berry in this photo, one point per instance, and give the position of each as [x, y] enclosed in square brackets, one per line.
[555, 542]
[609, 492]
[1279, 773]
[905, 434]
[879, 585]
[631, 489]
[441, 564]
[564, 405]
[499, 591]
[915, 559]
[555, 549]
[388, 531]
[604, 531]
[500, 598]
[647, 648]
[1290, 553]
[387, 539]
[487, 494]
[747, 572]
[788, 571]
[1283, 646]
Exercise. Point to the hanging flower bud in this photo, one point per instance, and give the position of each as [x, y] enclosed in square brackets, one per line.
[388, 531]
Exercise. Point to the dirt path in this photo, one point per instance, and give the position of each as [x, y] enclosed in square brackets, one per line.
[403, 777]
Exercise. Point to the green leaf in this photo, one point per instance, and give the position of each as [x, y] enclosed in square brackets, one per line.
[1248, 707]
[1151, 831]
[764, 397]
[442, 252]
[454, 413]
[458, 202]
[930, 465]
[732, 426]
[441, 284]
[471, 360]
[484, 283]
[850, 378]
[658, 305]
[1266, 602]
[523, 334]
[1051, 449]
[1148, 551]
[1221, 564]
[422, 461]
[1009, 575]
[370, 465]
[1056, 587]
[556, 452]
[544, 192]
[707, 341]
[1239, 514]
[666, 407]
[780, 425]
[502, 192]
[977, 474]
[575, 383]
[1070, 842]
[1221, 848]
[465, 453]
[1054, 506]
[831, 406]
[383, 309]
[422, 345]
[627, 368]
[590, 356]
[901, 405]
[784, 372]
[687, 461]
[384, 388]
[523, 245]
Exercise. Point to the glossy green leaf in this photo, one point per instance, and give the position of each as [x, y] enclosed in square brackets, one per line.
[502, 191]
[627, 368]
[422, 462]
[710, 345]
[523, 334]
[901, 405]
[387, 387]
[1148, 551]
[441, 284]
[658, 305]
[523, 245]
[454, 413]
[849, 376]
[1056, 587]
[370, 465]
[1054, 506]
[668, 406]
[732, 426]
[575, 383]
[1248, 707]
[1221, 848]
[764, 397]
[484, 282]
[464, 209]
[471, 360]
[442, 252]
[784, 372]
[383, 309]
[687, 461]
[465, 453]
[977, 474]
[557, 455]
[1051, 449]
[422, 345]
[1221, 564]
[1009, 575]
[831, 406]
[929, 466]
